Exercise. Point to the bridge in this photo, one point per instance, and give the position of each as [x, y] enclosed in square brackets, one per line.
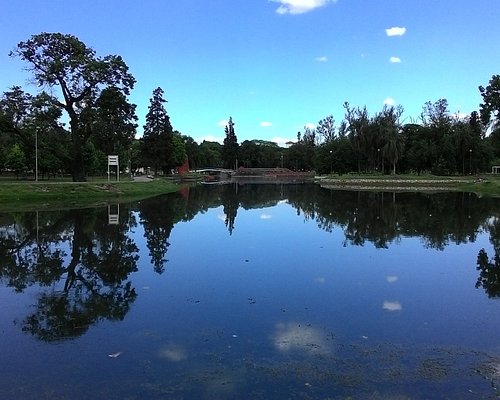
[215, 170]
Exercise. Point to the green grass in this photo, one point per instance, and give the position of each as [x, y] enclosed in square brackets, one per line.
[482, 185]
[24, 195]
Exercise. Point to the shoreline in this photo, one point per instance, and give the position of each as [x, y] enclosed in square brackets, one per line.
[29, 195]
[48, 195]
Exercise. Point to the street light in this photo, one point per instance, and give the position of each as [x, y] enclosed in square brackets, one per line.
[36, 155]
[331, 161]
[470, 161]
[378, 159]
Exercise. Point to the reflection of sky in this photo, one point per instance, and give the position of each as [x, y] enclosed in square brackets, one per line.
[291, 268]
[392, 306]
[303, 338]
[276, 287]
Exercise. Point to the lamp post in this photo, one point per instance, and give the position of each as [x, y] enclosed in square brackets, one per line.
[470, 161]
[331, 161]
[281, 160]
[378, 159]
[36, 155]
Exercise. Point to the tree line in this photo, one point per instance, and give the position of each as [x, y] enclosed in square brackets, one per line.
[90, 93]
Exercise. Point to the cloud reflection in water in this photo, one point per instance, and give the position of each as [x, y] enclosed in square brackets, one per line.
[299, 337]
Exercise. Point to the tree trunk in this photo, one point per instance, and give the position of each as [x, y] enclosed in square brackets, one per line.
[77, 161]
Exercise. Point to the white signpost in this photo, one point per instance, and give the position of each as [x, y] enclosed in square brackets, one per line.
[113, 160]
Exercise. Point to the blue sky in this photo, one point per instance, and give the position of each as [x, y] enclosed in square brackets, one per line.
[275, 65]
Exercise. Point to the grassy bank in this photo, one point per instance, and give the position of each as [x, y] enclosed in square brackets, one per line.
[484, 185]
[50, 195]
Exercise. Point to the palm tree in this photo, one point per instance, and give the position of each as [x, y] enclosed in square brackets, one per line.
[393, 150]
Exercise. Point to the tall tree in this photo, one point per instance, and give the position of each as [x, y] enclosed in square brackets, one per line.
[490, 108]
[389, 126]
[230, 147]
[157, 142]
[16, 160]
[63, 60]
[114, 123]
[326, 129]
[357, 126]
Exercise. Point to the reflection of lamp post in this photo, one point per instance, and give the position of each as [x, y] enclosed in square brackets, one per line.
[331, 161]
[130, 162]
[470, 161]
[36, 154]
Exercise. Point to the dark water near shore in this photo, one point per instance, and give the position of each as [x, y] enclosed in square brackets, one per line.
[254, 292]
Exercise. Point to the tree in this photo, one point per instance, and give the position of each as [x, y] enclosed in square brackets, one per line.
[16, 106]
[436, 118]
[192, 150]
[210, 154]
[326, 129]
[157, 142]
[389, 130]
[178, 155]
[114, 123]
[490, 108]
[230, 147]
[16, 160]
[63, 60]
[357, 126]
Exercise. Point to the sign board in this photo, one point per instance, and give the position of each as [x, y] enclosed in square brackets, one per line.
[112, 160]
[113, 215]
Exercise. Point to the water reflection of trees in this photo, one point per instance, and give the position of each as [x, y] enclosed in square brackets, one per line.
[80, 264]
[364, 217]
[489, 270]
[384, 217]
[158, 216]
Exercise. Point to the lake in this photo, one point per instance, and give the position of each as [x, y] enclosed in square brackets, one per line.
[277, 291]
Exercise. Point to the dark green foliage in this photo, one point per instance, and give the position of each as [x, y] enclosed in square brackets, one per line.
[16, 160]
[260, 154]
[490, 108]
[210, 154]
[230, 147]
[62, 60]
[192, 150]
[157, 147]
[114, 124]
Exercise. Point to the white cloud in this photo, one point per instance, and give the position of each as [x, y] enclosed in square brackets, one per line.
[395, 60]
[395, 31]
[281, 141]
[321, 59]
[300, 6]
[392, 279]
[389, 101]
[222, 123]
[392, 306]
[209, 138]
[459, 115]
[266, 124]
[265, 216]
[310, 125]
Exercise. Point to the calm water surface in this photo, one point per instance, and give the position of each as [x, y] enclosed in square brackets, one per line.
[253, 292]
